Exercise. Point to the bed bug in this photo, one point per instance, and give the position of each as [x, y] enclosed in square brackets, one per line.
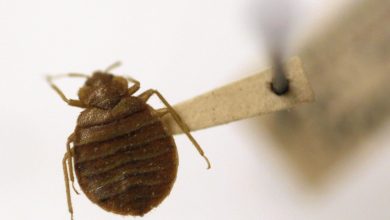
[123, 157]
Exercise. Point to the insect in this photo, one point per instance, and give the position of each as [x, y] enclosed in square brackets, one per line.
[123, 157]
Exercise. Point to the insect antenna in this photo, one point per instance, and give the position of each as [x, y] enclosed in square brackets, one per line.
[113, 66]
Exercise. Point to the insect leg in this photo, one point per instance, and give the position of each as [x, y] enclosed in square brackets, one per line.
[66, 177]
[70, 161]
[161, 112]
[148, 93]
[135, 87]
[70, 102]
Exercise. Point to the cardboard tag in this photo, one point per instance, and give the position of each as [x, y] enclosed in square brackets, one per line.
[249, 97]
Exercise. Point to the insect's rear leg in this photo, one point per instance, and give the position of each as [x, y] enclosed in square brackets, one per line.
[70, 161]
[66, 177]
[169, 109]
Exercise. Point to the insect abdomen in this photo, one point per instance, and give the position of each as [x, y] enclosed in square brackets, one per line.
[126, 162]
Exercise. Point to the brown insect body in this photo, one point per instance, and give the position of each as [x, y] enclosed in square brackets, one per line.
[124, 159]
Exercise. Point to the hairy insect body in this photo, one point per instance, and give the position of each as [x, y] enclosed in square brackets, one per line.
[122, 155]
[125, 161]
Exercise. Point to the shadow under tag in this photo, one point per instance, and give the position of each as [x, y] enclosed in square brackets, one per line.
[349, 70]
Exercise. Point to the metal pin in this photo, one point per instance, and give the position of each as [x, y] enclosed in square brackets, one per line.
[279, 84]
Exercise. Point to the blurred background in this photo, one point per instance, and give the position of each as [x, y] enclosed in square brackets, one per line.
[326, 160]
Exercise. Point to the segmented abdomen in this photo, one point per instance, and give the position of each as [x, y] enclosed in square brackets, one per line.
[124, 160]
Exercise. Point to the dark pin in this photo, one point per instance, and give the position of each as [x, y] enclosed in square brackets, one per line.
[279, 84]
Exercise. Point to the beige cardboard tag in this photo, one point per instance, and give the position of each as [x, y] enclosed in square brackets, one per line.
[245, 98]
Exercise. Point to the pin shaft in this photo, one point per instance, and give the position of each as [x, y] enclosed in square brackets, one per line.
[280, 83]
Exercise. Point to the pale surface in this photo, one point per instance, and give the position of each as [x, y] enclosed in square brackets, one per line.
[182, 48]
[245, 98]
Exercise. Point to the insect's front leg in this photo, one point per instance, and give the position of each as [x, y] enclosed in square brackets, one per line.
[136, 84]
[71, 102]
[135, 87]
